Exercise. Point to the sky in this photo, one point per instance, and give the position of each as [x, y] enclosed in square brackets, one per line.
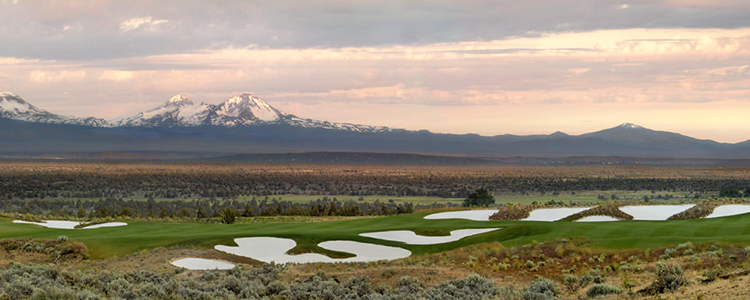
[488, 67]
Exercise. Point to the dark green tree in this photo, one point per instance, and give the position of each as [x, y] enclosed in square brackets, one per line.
[81, 212]
[248, 212]
[480, 197]
[201, 212]
[228, 215]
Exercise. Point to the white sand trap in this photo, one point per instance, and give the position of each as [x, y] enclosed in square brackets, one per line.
[52, 224]
[553, 214]
[69, 224]
[271, 249]
[474, 215]
[597, 219]
[103, 225]
[411, 238]
[365, 252]
[729, 210]
[192, 263]
[654, 212]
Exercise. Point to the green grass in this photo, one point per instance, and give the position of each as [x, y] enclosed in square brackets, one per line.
[139, 236]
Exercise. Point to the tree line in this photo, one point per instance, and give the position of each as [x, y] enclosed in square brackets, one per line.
[188, 181]
[121, 208]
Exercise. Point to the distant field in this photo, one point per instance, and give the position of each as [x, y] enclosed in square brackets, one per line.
[614, 235]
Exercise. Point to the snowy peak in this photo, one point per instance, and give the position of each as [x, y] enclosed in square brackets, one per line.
[7, 94]
[245, 107]
[179, 100]
[14, 107]
[12, 104]
[178, 111]
[629, 126]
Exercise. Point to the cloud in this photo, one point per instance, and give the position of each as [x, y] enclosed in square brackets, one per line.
[135, 23]
[579, 71]
[504, 59]
[734, 4]
[41, 77]
[622, 7]
[173, 27]
[116, 75]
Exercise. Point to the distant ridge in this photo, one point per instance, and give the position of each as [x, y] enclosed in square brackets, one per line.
[245, 124]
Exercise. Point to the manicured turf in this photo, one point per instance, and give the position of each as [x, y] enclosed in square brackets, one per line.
[138, 236]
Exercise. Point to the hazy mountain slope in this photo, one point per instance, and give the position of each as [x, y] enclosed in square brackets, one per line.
[351, 157]
[239, 111]
[245, 124]
[15, 108]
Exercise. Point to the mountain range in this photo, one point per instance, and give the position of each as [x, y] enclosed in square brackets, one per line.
[239, 111]
[245, 124]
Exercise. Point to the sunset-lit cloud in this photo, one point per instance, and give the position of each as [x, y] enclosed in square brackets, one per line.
[116, 75]
[40, 77]
[477, 67]
[136, 23]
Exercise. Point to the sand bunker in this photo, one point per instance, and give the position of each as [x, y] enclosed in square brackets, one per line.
[52, 224]
[553, 214]
[365, 252]
[69, 224]
[192, 263]
[597, 219]
[103, 225]
[411, 238]
[729, 210]
[654, 212]
[271, 249]
[474, 215]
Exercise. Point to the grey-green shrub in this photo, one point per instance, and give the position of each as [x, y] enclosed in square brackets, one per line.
[668, 279]
[571, 282]
[541, 289]
[602, 290]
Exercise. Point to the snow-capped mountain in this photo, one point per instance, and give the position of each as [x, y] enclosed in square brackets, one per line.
[15, 108]
[244, 109]
[246, 124]
[238, 111]
[178, 111]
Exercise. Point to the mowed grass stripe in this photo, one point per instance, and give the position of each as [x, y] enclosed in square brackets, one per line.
[137, 236]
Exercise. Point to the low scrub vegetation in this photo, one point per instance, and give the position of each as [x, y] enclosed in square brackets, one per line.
[55, 250]
[702, 209]
[598, 290]
[512, 212]
[541, 289]
[19, 281]
[669, 278]
[610, 208]
[58, 180]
